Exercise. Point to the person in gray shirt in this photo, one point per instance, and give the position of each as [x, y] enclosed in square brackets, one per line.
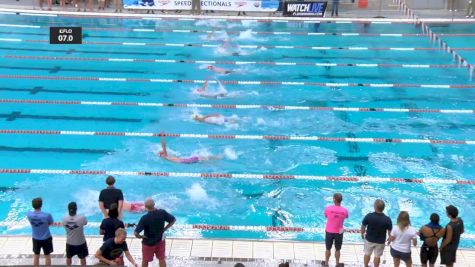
[75, 240]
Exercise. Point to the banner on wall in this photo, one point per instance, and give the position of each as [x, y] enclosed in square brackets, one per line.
[305, 9]
[224, 5]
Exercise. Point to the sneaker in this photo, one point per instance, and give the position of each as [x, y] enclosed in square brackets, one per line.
[467, 16]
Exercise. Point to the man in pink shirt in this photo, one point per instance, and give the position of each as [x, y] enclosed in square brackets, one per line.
[335, 215]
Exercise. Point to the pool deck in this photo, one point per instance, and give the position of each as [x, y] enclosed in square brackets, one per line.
[16, 250]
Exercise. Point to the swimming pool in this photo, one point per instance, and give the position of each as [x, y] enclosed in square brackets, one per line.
[368, 97]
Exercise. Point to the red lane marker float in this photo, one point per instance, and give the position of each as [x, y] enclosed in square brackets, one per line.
[236, 106]
[249, 137]
[349, 179]
[115, 79]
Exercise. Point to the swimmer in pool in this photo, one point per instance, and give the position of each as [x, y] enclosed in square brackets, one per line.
[202, 92]
[189, 160]
[219, 70]
[134, 207]
[217, 119]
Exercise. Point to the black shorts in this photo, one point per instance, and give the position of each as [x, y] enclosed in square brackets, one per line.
[81, 251]
[46, 245]
[447, 255]
[329, 237]
[401, 255]
[429, 254]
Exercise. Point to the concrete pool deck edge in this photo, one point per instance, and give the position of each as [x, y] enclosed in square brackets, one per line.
[16, 250]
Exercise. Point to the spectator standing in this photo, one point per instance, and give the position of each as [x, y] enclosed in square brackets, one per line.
[77, 5]
[400, 240]
[153, 226]
[118, 6]
[109, 196]
[196, 7]
[111, 224]
[75, 240]
[470, 9]
[40, 222]
[373, 231]
[430, 234]
[113, 250]
[450, 242]
[50, 2]
[101, 4]
[336, 215]
[335, 4]
[451, 5]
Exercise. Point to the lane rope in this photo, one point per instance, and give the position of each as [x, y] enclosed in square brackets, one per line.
[236, 106]
[238, 82]
[218, 227]
[349, 179]
[284, 47]
[243, 137]
[229, 62]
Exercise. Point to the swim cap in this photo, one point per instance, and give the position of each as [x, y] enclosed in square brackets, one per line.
[194, 116]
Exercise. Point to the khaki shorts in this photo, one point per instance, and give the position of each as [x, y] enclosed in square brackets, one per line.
[369, 247]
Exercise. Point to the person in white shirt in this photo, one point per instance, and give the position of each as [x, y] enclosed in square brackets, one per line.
[400, 240]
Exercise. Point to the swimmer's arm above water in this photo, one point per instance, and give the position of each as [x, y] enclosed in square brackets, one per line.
[164, 145]
[203, 88]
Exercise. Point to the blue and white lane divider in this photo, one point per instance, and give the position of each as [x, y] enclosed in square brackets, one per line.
[234, 106]
[243, 137]
[238, 82]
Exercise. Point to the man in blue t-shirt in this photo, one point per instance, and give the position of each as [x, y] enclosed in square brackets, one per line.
[153, 225]
[40, 222]
[374, 227]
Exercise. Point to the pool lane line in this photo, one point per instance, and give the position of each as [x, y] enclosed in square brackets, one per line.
[40, 89]
[284, 47]
[16, 115]
[234, 106]
[223, 227]
[350, 179]
[242, 137]
[227, 62]
[238, 82]
[302, 33]
[186, 55]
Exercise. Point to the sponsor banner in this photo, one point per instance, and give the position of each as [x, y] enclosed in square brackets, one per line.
[305, 9]
[224, 5]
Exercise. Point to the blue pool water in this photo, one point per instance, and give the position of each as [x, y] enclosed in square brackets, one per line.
[234, 201]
